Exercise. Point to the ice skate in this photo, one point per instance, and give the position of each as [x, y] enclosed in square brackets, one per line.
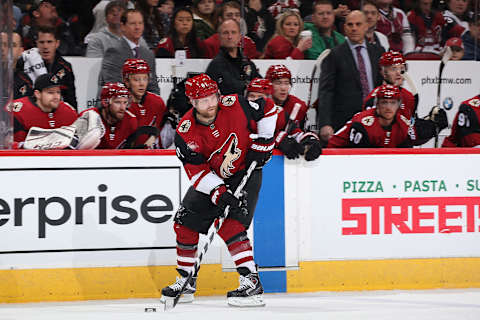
[169, 293]
[249, 293]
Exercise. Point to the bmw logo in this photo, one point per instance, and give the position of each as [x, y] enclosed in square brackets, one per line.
[448, 103]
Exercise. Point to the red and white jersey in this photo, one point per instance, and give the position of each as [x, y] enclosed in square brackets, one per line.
[451, 18]
[407, 107]
[284, 112]
[116, 135]
[150, 111]
[393, 24]
[27, 114]
[365, 131]
[466, 127]
[212, 153]
[212, 45]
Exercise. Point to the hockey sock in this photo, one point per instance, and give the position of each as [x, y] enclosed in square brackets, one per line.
[236, 239]
[187, 243]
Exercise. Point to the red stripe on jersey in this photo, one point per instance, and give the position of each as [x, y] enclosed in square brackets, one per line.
[185, 264]
[230, 228]
[186, 253]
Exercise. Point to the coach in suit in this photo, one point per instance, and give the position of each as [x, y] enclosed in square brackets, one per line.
[348, 74]
[128, 47]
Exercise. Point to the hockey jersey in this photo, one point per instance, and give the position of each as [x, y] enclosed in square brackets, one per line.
[466, 127]
[408, 106]
[214, 152]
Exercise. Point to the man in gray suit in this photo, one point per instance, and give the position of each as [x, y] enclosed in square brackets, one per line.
[348, 74]
[132, 27]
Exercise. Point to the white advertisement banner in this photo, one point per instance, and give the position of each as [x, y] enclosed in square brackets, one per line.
[82, 211]
[387, 206]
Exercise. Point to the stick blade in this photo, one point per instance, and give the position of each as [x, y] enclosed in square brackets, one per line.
[447, 55]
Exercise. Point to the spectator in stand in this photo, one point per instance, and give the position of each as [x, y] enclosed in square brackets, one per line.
[287, 41]
[281, 6]
[107, 37]
[374, 37]
[99, 14]
[44, 14]
[323, 35]
[129, 46]
[457, 13]
[204, 18]
[260, 23]
[430, 28]
[456, 45]
[348, 74]
[153, 29]
[394, 24]
[47, 59]
[44, 108]
[22, 84]
[230, 68]
[471, 39]
[231, 10]
[166, 8]
[182, 36]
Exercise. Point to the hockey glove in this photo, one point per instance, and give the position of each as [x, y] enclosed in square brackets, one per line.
[289, 146]
[260, 151]
[313, 148]
[439, 118]
[222, 197]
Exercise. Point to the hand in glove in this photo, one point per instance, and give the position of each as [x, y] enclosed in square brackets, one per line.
[290, 147]
[222, 197]
[439, 117]
[313, 148]
[260, 151]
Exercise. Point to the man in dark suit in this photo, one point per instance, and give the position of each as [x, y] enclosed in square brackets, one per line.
[348, 74]
[128, 48]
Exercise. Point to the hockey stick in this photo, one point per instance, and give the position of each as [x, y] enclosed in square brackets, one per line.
[413, 89]
[211, 234]
[310, 123]
[446, 56]
[292, 117]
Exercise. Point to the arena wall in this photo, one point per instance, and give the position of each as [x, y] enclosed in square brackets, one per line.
[80, 225]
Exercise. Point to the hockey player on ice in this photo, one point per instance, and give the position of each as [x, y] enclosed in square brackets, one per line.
[215, 145]
[384, 126]
[290, 137]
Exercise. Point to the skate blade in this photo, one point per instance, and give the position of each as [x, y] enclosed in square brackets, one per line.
[246, 302]
[184, 298]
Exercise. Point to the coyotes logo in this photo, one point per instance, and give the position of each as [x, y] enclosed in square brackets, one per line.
[227, 154]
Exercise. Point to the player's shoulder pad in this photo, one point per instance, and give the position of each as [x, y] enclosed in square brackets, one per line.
[228, 100]
[68, 105]
[15, 106]
[473, 102]
[184, 127]
[368, 121]
[405, 120]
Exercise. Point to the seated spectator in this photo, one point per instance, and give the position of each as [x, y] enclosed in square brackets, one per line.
[456, 45]
[323, 35]
[204, 18]
[153, 29]
[231, 10]
[129, 46]
[99, 14]
[385, 127]
[44, 109]
[182, 36]
[281, 6]
[108, 36]
[44, 14]
[22, 84]
[374, 37]
[430, 28]
[230, 68]
[465, 128]
[119, 123]
[394, 24]
[287, 41]
[148, 107]
[260, 23]
[166, 8]
[290, 137]
[471, 39]
[47, 59]
[457, 13]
